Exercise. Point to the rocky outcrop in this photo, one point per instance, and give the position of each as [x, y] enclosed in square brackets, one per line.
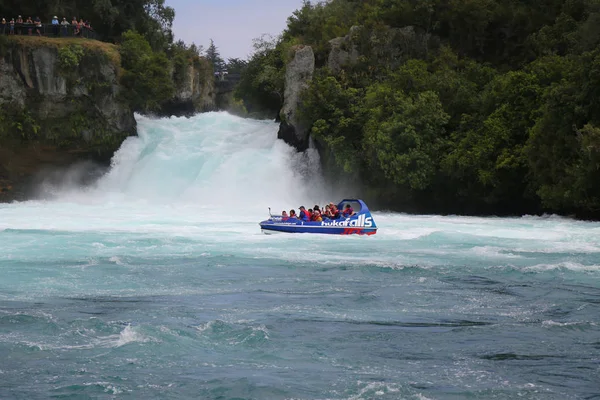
[194, 92]
[344, 50]
[298, 74]
[58, 105]
[391, 46]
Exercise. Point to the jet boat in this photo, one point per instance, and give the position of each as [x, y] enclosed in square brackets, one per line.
[360, 223]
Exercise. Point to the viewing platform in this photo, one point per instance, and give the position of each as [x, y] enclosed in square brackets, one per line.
[48, 30]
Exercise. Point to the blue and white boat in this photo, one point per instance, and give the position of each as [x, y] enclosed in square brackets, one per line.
[360, 223]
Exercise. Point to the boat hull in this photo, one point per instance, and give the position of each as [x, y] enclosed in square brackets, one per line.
[327, 230]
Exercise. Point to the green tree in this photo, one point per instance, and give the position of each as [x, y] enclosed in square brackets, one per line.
[262, 83]
[236, 65]
[145, 77]
[213, 55]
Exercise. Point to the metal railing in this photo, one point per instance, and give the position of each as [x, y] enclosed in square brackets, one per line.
[47, 30]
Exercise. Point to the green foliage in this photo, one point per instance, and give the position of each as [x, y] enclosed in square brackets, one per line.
[213, 55]
[262, 83]
[452, 106]
[69, 57]
[17, 123]
[404, 136]
[146, 74]
[236, 66]
[182, 58]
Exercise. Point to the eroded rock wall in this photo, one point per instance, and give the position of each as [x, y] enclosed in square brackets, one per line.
[298, 74]
[195, 92]
[54, 113]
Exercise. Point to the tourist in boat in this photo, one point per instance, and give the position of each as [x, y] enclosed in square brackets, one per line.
[335, 213]
[304, 215]
[316, 216]
[284, 215]
[293, 214]
[348, 211]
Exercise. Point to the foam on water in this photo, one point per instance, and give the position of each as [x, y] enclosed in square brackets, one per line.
[157, 282]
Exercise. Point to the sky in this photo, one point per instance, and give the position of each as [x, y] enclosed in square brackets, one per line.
[232, 24]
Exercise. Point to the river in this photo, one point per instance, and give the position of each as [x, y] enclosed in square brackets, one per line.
[156, 283]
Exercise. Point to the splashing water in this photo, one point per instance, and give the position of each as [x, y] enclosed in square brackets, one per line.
[157, 283]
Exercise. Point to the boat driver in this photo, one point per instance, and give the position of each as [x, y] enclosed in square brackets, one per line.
[348, 211]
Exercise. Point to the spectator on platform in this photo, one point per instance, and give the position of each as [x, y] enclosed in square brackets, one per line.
[3, 26]
[64, 27]
[76, 27]
[38, 26]
[29, 22]
[18, 22]
[55, 25]
[11, 27]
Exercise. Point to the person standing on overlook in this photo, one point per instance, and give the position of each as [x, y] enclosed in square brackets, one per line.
[38, 26]
[3, 26]
[19, 22]
[55, 25]
[75, 26]
[64, 27]
[29, 24]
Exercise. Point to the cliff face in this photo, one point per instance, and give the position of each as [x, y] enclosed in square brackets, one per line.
[298, 74]
[194, 92]
[64, 101]
[58, 105]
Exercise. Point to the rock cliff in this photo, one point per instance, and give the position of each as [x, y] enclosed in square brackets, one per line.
[62, 102]
[298, 74]
[344, 50]
[59, 103]
[194, 92]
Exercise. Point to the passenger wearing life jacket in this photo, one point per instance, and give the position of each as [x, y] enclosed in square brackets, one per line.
[304, 216]
[284, 215]
[335, 213]
[293, 214]
[316, 216]
[348, 211]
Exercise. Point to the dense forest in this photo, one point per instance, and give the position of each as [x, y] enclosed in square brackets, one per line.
[467, 106]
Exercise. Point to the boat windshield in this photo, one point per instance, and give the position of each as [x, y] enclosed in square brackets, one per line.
[353, 203]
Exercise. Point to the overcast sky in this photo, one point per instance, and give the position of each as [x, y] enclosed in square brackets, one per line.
[232, 24]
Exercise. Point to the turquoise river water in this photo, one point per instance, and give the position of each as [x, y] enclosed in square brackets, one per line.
[156, 283]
